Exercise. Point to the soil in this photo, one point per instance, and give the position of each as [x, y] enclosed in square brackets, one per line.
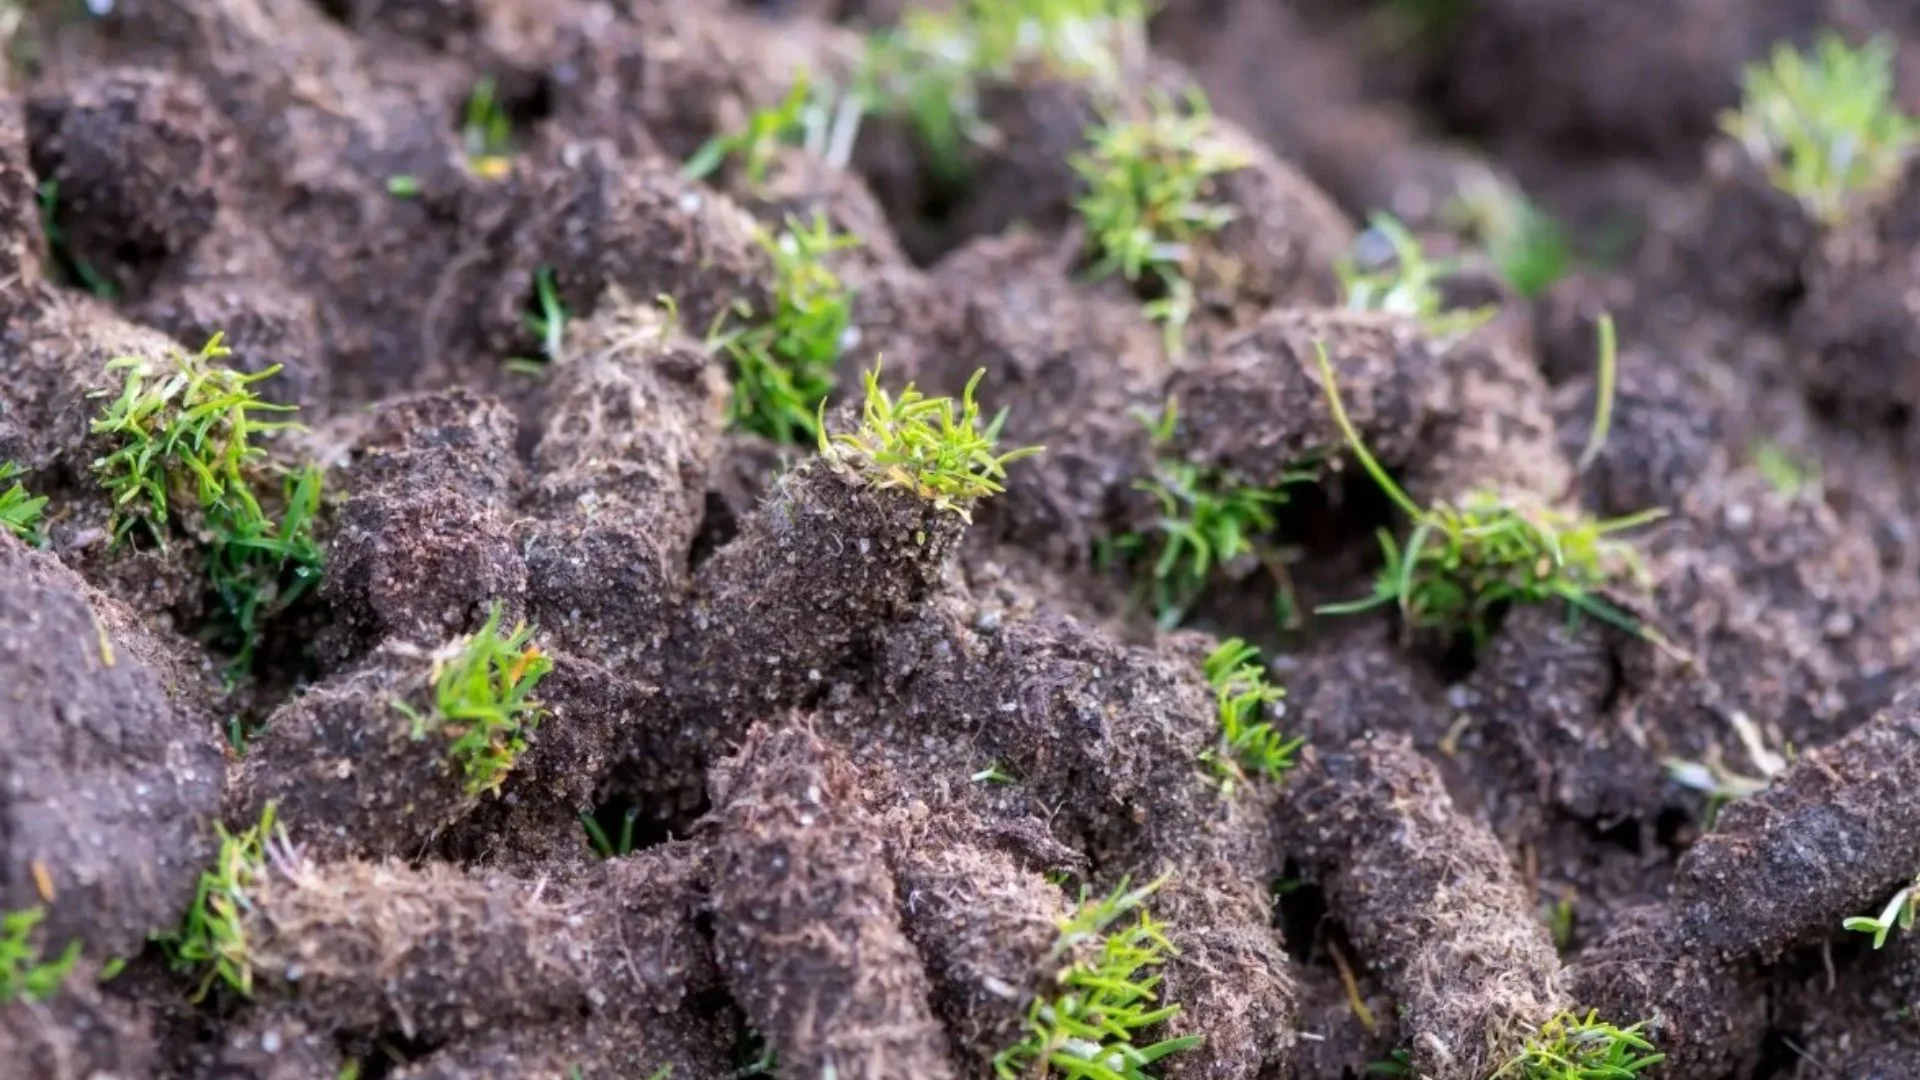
[858, 755]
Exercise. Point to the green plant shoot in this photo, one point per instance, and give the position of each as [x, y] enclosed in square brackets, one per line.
[783, 366]
[1569, 1047]
[1150, 186]
[1105, 998]
[212, 938]
[1248, 744]
[1462, 562]
[928, 446]
[23, 974]
[482, 700]
[1825, 123]
[19, 511]
[1900, 912]
[1407, 284]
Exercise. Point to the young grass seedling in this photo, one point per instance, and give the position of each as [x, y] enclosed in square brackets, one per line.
[813, 116]
[606, 846]
[1149, 199]
[1207, 519]
[783, 366]
[1404, 281]
[1568, 1047]
[1529, 249]
[546, 320]
[482, 699]
[1461, 563]
[1248, 744]
[1825, 123]
[928, 446]
[1722, 783]
[187, 457]
[931, 68]
[1900, 911]
[83, 272]
[1104, 1000]
[19, 511]
[487, 132]
[213, 936]
[23, 974]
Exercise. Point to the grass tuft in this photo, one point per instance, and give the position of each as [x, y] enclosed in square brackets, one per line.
[486, 132]
[19, 511]
[212, 938]
[1462, 563]
[1825, 123]
[783, 366]
[1408, 283]
[931, 67]
[185, 431]
[1207, 519]
[23, 974]
[1248, 744]
[1149, 198]
[929, 446]
[812, 116]
[1900, 912]
[1569, 1047]
[482, 699]
[1104, 1001]
[1528, 247]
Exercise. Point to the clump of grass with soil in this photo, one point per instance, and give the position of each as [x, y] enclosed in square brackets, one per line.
[19, 511]
[483, 699]
[24, 973]
[1149, 199]
[812, 116]
[783, 366]
[933, 447]
[212, 938]
[931, 67]
[187, 457]
[1249, 746]
[1463, 563]
[1401, 279]
[1570, 1047]
[1207, 519]
[1825, 123]
[1103, 1000]
[1900, 912]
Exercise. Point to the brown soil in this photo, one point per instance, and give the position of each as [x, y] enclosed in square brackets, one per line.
[870, 752]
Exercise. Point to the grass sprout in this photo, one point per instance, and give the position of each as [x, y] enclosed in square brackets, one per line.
[931, 67]
[212, 938]
[814, 116]
[187, 456]
[19, 511]
[1461, 563]
[482, 698]
[1528, 247]
[1569, 1047]
[1825, 123]
[23, 973]
[1900, 911]
[1149, 198]
[783, 366]
[546, 320]
[932, 447]
[1248, 744]
[1207, 519]
[486, 132]
[1104, 998]
[611, 846]
[1402, 280]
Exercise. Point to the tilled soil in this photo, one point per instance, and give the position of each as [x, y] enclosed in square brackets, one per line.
[871, 752]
